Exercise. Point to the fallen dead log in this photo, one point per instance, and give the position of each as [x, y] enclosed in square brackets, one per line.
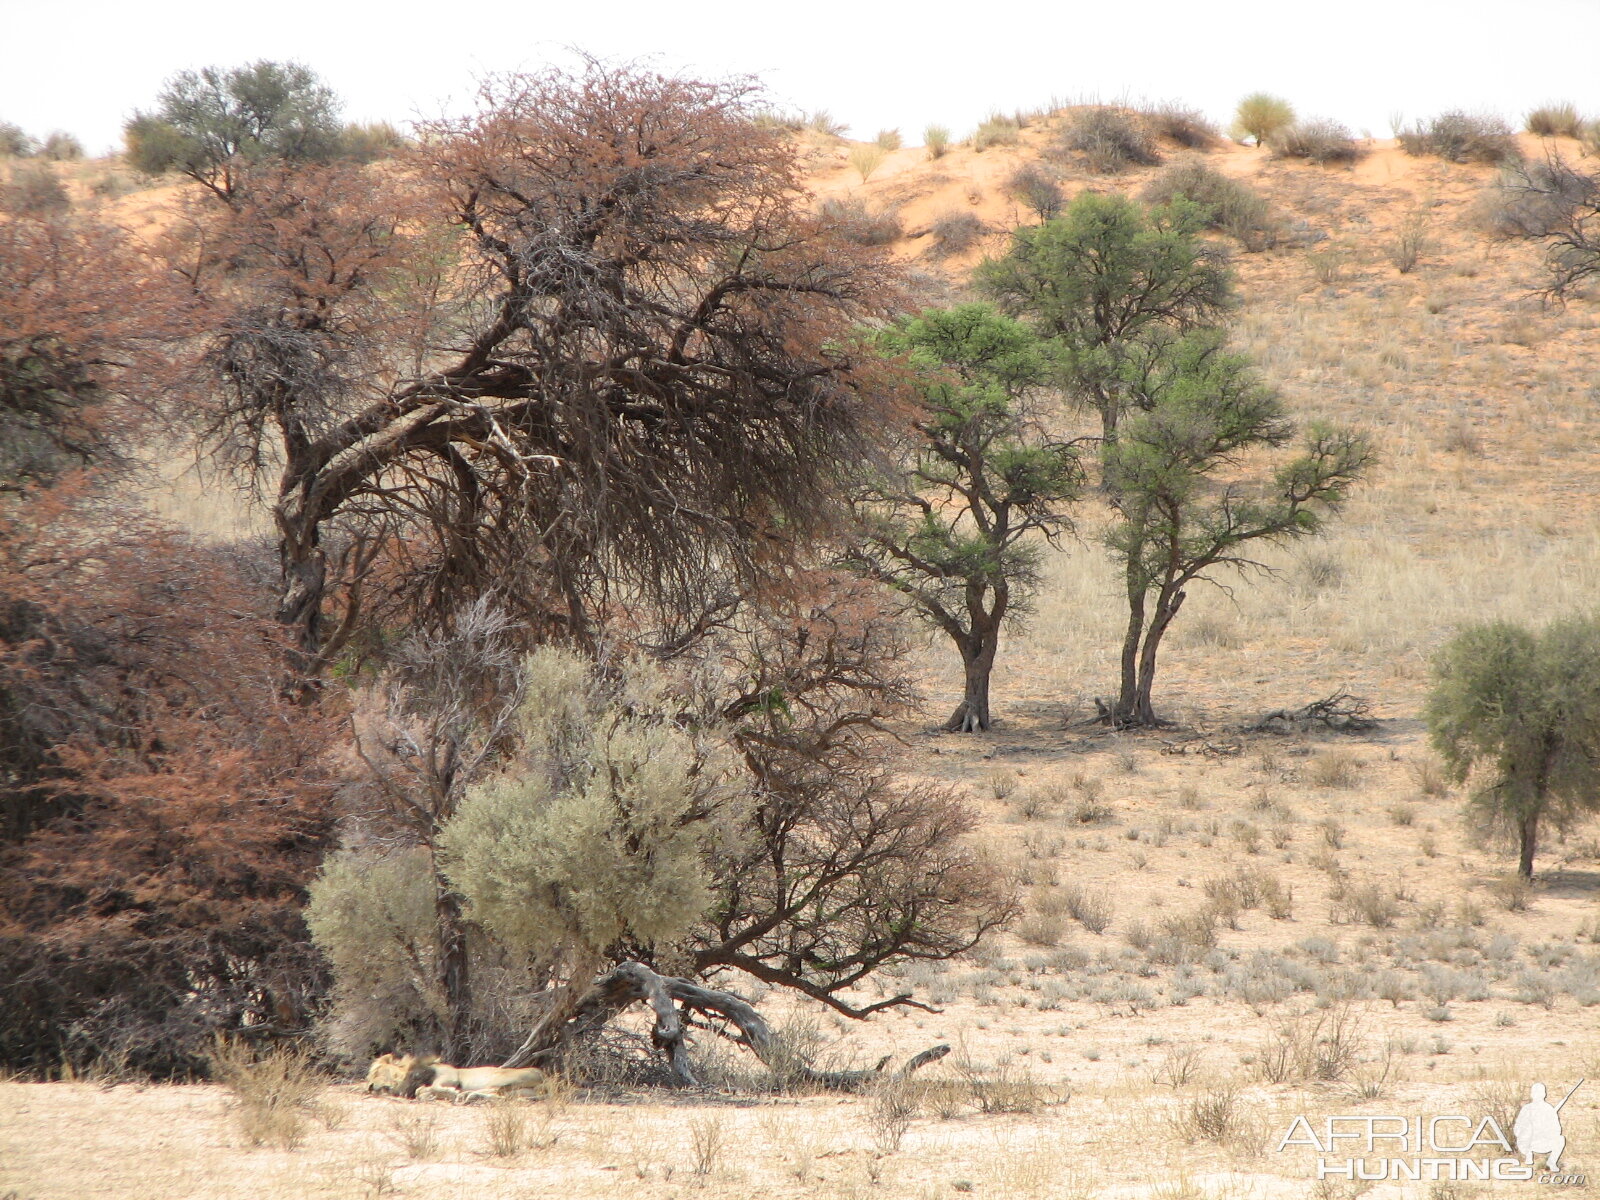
[675, 1002]
[1203, 747]
[1340, 712]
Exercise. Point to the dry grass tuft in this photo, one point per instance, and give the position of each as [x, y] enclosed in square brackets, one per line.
[275, 1092]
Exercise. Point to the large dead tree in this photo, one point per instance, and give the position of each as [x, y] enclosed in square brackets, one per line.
[590, 335]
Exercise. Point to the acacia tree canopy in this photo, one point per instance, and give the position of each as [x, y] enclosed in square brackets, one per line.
[1521, 711]
[1101, 279]
[1200, 408]
[951, 529]
[208, 123]
[603, 342]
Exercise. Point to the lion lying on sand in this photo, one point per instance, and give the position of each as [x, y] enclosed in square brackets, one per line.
[427, 1078]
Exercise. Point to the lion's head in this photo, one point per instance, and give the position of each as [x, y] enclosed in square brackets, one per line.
[388, 1072]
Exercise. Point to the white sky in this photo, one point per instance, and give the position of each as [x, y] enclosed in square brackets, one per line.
[85, 66]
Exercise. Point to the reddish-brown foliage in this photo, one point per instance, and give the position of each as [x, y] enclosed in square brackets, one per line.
[604, 348]
[84, 320]
[163, 806]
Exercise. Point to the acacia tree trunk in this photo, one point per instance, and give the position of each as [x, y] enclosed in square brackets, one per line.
[1527, 839]
[455, 979]
[1128, 694]
[977, 662]
[1144, 712]
[304, 567]
[978, 646]
[1140, 646]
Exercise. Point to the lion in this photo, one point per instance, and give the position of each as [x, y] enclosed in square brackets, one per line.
[426, 1078]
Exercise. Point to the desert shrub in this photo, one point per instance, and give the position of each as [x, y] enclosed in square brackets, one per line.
[1462, 137]
[600, 833]
[1369, 901]
[996, 130]
[888, 140]
[61, 146]
[1183, 938]
[1212, 1116]
[1409, 244]
[1180, 1063]
[893, 1105]
[372, 916]
[1536, 199]
[273, 1092]
[866, 159]
[1319, 1047]
[1320, 140]
[1091, 810]
[1334, 769]
[370, 141]
[1427, 772]
[1002, 782]
[1233, 208]
[777, 118]
[14, 143]
[1555, 120]
[936, 138]
[34, 190]
[1186, 127]
[861, 225]
[1089, 907]
[1513, 895]
[1001, 1088]
[822, 121]
[415, 1131]
[506, 1131]
[955, 231]
[1108, 140]
[708, 1141]
[1043, 924]
[1260, 115]
[1035, 188]
[111, 183]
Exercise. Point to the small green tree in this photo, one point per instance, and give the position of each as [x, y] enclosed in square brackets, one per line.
[1521, 710]
[954, 532]
[1261, 115]
[1199, 409]
[1103, 277]
[14, 143]
[209, 122]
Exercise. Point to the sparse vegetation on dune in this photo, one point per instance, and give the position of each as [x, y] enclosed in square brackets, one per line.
[1178, 938]
[1320, 141]
[1462, 137]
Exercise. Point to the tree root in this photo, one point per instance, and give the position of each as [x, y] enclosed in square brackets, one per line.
[673, 1000]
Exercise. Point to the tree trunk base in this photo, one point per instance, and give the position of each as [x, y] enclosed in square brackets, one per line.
[966, 719]
[673, 1000]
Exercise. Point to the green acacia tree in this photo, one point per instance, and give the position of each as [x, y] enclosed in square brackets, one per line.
[956, 530]
[1521, 710]
[1260, 115]
[1198, 408]
[209, 122]
[1104, 278]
